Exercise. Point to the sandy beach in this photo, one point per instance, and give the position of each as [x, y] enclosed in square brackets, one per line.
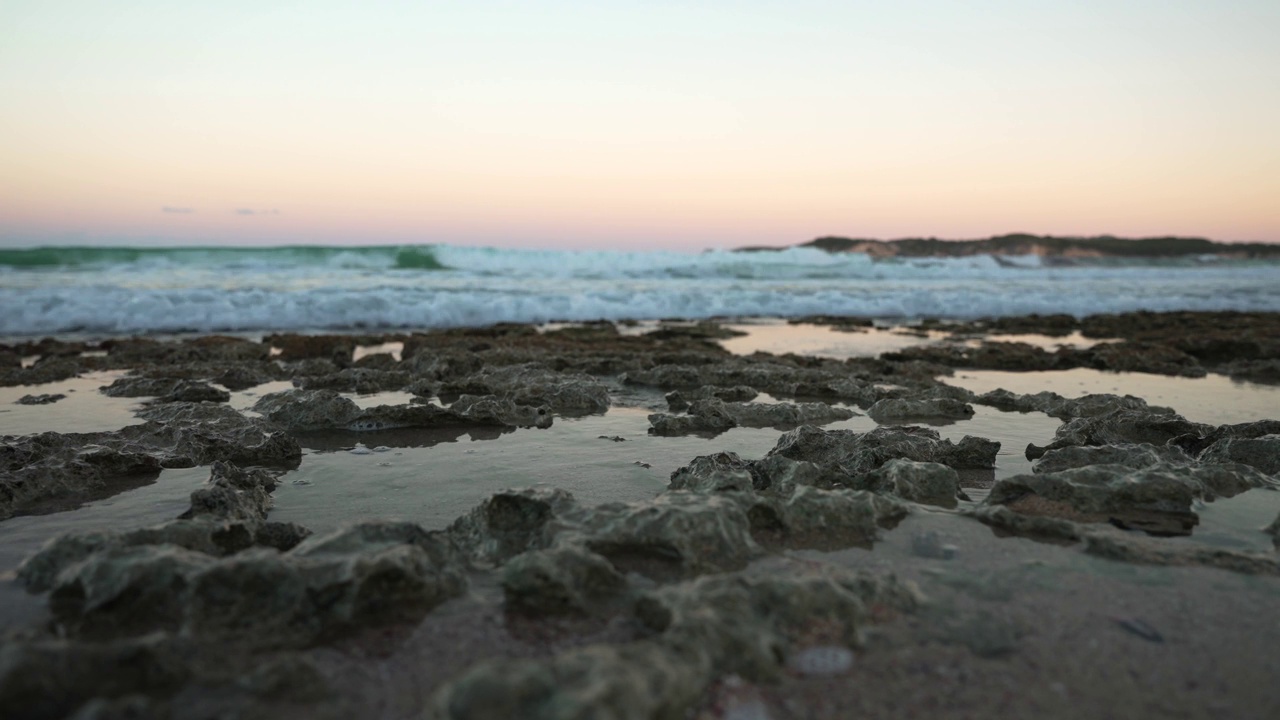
[738, 519]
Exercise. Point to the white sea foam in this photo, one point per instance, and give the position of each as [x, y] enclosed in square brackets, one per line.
[327, 290]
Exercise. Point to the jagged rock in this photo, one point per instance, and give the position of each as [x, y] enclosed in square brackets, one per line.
[1198, 443]
[1055, 405]
[848, 455]
[46, 399]
[889, 410]
[490, 410]
[922, 482]
[243, 377]
[565, 579]
[746, 623]
[1118, 427]
[677, 534]
[211, 537]
[233, 494]
[823, 519]
[36, 469]
[1258, 371]
[1129, 455]
[513, 521]
[324, 409]
[291, 346]
[1144, 357]
[200, 433]
[749, 622]
[1262, 453]
[364, 381]
[131, 386]
[713, 473]
[189, 391]
[43, 372]
[369, 573]
[52, 678]
[780, 476]
[532, 384]
[308, 409]
[678, 402]
[165, 389]
[715, 415]
[1157, 499]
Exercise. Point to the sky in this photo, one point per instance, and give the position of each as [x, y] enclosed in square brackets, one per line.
[654, 124]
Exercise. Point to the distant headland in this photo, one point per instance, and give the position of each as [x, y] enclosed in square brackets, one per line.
[1101, 246]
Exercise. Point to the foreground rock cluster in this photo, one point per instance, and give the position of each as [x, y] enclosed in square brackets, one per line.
[644, 609]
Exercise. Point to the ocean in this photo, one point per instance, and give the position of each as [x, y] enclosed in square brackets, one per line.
[113, 290]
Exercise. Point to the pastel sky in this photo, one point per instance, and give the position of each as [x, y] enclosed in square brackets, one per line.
[652, 123]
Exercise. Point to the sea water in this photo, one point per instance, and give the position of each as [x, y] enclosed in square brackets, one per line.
[105, 291]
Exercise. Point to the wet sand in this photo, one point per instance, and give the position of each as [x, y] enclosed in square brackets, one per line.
[1013, 627]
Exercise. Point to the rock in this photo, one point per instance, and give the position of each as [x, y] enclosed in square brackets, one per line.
[922, 482]
[131, 386]
[889, 410]
[1129, 455]
[189, 391]
[679, 402]
[233, 494]
[1258, 371]
[165, 389]
[823, 519]
[1274, 531]
[713, 473]
[291, 346]
[848, 455]
[1157, 499]
[1197, 443]
[38, 469]
[1144, 357]
[365, 574]
[780, 476]
[513, 521]
[565, 579]
[1118, 427]
[41, 373]
[750, 622]
[491, 410]
[302, 410]
[1261, 453]
[200, 433]
[243, 377]
[533, 384]
[716, 415]
[52, 678]
[1055, 405]
[678, 534]
[364, 381]
[47, 399]
[41, 468]
[211, 537]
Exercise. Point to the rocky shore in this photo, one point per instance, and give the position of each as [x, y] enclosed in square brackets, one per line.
[890, 570]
